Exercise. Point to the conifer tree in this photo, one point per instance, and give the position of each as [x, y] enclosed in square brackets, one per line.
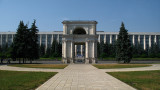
[34, 47]
[123, 46]
[18, 44]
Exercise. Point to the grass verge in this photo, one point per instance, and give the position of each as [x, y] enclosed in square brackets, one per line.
[50, 66]
[53, 58]
[137, 59]
[113, 66]
[20, 80]
[142, 80]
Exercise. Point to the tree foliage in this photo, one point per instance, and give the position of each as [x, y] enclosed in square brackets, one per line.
[123, 46]
[25, 44]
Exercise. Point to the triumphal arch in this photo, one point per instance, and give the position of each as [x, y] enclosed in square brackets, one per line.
[79, 42]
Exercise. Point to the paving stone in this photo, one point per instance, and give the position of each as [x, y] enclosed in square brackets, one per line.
[82, 77]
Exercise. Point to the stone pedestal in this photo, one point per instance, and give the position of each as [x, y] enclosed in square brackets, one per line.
[87, 61]
[71, 61]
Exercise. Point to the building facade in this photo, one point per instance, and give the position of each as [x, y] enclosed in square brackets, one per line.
[145, 39]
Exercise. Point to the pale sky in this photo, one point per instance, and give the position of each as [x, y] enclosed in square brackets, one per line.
[137, 15]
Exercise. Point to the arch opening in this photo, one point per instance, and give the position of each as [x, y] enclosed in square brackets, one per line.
[80, 31]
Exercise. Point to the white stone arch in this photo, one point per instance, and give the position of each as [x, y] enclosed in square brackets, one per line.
[84, 36]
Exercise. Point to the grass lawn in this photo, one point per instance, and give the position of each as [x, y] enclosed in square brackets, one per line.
[146, 59]
[58, 58]
[112, 66]
[50, 66]
[142, 80]
[20, 80]
[110, 58]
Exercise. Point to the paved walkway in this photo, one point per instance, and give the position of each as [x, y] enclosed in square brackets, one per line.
[153, 67]
[82, 77]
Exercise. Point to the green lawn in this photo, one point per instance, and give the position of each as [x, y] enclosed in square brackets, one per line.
[58, 58]
[50, 66]
[113, 66]
[108, 58]
[19, 80]
[142, 80]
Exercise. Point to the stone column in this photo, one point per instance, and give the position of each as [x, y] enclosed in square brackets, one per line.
[155, 39]
[46, 43]
[64, 29]
[12, 38]
[149, 41]
[95, 48]
[105, 38]
[94, 29]
[81, 50]
[6, 38]
[51, 39]
[99, 38]
[144, 42]
[116, 37]
[58, 38]
[65, 49]
[40, 39]
[87, 58]
[110, 39]
[93, 52]
[62, 51]
[75, 50]
[65, 54]
[71, 61]
[139, 39]
[133, 40]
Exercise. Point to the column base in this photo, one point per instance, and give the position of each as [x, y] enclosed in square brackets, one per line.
[86, 60]
[71, 61]
[64, 60]
[90, 60]
[67, 60]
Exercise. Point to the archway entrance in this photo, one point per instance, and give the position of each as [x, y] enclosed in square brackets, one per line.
[79, 42]
[79, 54]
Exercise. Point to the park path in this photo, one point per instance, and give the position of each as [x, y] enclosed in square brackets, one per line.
[82, 77]
[153, 67]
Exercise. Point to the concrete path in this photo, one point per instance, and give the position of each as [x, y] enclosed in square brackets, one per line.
[82, 77]
[10, 68]
[153, 67]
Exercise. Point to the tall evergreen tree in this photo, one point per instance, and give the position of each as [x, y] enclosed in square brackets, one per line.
[25, 44]
[124, 49]
[19, 41]
[34, 47]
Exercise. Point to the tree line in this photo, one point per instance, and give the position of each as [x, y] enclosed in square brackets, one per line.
[54, 51]
[122, 50]
[25, 46]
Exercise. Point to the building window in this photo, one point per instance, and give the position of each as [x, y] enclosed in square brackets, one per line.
[147, 41]
[101, 38]
[113, 39]
[108, 39]
[152, 40]
[136, 39]
[142, 40]
[131, 39]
